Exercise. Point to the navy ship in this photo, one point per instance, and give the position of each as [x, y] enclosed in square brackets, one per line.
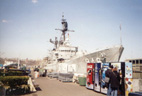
[65, 58]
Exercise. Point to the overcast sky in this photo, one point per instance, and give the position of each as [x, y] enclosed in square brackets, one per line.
[27, 25]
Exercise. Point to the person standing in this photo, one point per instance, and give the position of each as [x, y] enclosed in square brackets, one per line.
[45, 72]
[114, 81]
[108, 85]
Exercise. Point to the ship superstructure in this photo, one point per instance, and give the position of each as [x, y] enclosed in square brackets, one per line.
[63, 50]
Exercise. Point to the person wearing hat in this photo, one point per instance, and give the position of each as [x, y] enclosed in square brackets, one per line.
[114, 81]
[108, 85]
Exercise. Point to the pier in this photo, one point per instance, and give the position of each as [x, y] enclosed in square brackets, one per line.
[53, 87]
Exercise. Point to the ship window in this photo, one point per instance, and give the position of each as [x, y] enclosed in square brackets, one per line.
[141, 61]
[137, 61]
[133, 61]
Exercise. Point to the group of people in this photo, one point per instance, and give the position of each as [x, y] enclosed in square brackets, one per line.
[39, 72]
[114, 78]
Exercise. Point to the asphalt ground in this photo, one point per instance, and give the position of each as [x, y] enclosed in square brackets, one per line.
[54, 87]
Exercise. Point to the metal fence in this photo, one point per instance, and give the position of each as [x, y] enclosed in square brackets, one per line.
[137, 72]
[65, 77]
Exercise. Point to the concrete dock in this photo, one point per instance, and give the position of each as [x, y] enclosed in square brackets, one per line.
[53, 87]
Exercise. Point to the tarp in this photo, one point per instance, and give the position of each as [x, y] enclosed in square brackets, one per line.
[1, 66]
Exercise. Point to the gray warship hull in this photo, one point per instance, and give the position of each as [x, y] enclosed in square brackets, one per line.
[79, 65]
[111, 54]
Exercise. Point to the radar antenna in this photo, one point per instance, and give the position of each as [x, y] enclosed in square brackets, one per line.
[54, 42]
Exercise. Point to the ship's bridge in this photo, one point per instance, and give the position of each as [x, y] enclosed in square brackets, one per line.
[66, 52]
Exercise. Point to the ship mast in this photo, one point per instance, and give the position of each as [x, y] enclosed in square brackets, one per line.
[64, 28]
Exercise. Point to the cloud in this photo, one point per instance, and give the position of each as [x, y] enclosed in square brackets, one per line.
[34, 1]
[5, 21]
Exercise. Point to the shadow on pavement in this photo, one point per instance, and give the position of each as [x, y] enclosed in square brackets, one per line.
[38, 89]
